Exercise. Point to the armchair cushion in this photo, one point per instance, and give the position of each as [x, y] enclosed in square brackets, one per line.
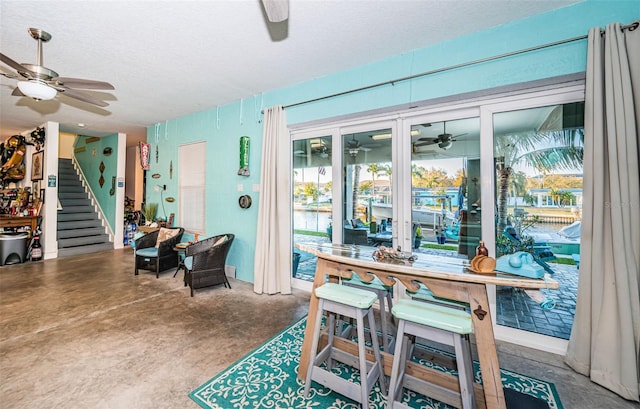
[221, 240]
[166, 234]
[147, 252]
[188, 263]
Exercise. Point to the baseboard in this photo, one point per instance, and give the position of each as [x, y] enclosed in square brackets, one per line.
[230, 271]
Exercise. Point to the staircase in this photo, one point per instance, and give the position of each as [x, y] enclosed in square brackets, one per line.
[80, 230]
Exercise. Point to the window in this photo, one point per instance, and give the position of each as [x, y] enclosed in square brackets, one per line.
[191, 186]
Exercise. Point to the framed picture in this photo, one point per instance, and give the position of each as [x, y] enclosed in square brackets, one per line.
[41, 195]
[37, 162]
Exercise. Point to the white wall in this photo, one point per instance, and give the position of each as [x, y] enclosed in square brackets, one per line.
[133, 176]
[65, 145]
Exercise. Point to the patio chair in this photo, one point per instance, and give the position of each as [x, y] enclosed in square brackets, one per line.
[541, 251]
[205, 261]
[155, 250]
[356, 236]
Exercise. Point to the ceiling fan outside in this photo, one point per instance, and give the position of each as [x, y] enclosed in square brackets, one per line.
[354, 146]
[444, 140]
[41, 83]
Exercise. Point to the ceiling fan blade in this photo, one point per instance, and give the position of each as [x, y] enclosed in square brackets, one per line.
[16, 66]
[425, 143]
[17, 93]
[459, 135]
[277, 10]
[82, 97]
[81, 83]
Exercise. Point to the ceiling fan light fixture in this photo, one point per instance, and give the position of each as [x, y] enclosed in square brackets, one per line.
[445, 144]
[37, 90]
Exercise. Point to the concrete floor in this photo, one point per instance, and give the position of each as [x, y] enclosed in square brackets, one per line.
[84, 332]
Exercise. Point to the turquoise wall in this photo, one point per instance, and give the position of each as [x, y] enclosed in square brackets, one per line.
[89, 161]
[222, 127]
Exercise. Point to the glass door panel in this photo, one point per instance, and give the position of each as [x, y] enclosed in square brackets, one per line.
[538, 185]
[312, 199]
[367, 187]
[445, 188]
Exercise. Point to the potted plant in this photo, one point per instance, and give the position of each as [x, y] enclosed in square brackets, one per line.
[149, 211]
[418, 239]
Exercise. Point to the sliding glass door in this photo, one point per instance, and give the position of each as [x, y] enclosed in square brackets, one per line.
[367, 189]
[538, 185]
[445, 189]
[505, 170]
[312, 199]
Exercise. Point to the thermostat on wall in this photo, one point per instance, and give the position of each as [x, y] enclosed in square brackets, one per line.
[245, 201]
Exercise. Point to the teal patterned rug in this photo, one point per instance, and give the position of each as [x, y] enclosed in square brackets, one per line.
[266, 378]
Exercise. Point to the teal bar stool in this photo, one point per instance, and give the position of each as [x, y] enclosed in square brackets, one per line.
[441, 324]
[383, 293]
[354, 303]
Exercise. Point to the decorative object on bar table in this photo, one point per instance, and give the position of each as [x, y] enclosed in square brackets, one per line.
[481, 250]
[244, 156]
[389, 253]
[520, 263]
[482, 264]
[156, 176]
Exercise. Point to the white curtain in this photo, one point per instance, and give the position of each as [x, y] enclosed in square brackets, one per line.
[272, 266]
[605, 339]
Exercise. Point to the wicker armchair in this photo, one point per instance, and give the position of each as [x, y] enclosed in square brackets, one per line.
[152, 258]
[205, 262]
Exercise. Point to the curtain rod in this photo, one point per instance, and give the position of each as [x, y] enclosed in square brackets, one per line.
[632, 26]
[438, 70]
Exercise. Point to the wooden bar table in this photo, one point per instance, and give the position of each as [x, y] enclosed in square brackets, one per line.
[447, 278]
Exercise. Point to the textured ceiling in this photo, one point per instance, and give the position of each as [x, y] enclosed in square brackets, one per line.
[167, 59]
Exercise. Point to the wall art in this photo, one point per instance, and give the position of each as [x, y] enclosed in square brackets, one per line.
[37, 165]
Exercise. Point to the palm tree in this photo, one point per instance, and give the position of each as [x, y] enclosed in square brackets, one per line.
[387, 171]
[545, 151]
[356, 184]
[374, 170]
[416, 172]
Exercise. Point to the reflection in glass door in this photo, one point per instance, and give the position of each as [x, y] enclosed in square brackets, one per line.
[367, 187]
[538, 185]
[312, 199]
[445, 188]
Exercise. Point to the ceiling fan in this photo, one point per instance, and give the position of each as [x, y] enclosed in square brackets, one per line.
[276, 10]
[444, 140]
[354, 146]
[41, 83]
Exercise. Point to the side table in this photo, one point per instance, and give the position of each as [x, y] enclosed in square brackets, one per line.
[180, 251]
